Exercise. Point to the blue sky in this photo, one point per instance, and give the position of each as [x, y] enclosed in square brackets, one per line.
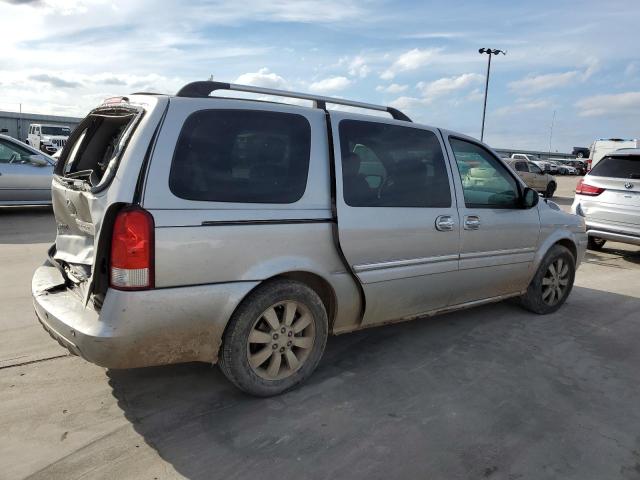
[577, 58]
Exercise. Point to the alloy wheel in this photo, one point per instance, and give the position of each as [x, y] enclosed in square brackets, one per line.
[555, 281]
[280, 340]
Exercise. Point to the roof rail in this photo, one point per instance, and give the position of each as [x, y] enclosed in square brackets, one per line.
[203, 89]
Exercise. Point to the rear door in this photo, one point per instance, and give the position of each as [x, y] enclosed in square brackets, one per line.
[498, 238]
[521, 167]
[397, 218]
[22, 180]
[537, 178]
[97, 173]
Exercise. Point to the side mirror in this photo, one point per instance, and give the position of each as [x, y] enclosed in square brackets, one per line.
[38, 160]
[530, 198]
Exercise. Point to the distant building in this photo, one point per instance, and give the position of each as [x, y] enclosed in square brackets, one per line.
[17, 124]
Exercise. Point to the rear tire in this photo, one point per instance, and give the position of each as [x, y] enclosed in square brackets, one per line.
[551, 189]
[595, 243]
[552, 283]
[275, 338]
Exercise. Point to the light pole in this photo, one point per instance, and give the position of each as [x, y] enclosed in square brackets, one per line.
[489, 52]
[553, 121]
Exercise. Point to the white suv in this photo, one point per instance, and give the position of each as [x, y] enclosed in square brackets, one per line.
[48, 138]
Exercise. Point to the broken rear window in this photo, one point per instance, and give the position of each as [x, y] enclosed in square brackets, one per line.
[94, 149]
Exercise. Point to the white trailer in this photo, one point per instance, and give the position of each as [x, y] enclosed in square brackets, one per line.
[601, 148]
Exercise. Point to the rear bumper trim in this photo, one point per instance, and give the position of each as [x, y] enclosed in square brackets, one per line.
[613, 236]
[140, 328]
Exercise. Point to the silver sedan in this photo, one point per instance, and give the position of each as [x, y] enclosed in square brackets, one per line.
[25, 174]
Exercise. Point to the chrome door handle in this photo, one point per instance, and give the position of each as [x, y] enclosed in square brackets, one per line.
[445, 223]
[471, 222]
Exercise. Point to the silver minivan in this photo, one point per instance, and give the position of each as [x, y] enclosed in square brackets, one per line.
[244, 232]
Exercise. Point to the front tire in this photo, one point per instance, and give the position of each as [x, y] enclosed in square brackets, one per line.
[552, 283]
[595, 243]
[275, 339]
[550, 190]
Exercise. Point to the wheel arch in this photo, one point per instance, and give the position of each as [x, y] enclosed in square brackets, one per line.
[319, 285]
[315, 282]
[569, 245]
[560, 238]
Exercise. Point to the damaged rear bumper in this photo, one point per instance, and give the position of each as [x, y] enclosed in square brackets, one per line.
[137, 329]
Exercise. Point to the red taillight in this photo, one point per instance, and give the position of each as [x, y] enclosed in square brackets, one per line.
[132, 246]
[586, 189]
[589, 162]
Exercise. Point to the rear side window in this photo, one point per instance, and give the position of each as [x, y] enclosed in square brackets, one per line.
[243, 156]
[618, 167]
[521, 166]
[93, 151]
[391, 166]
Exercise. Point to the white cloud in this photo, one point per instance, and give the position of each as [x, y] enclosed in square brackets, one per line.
[407, 103]
[449, 84]
[632, 69]
[593, 65]
[411, 60]
[358, 67]
[331, 84]
[300, 11]
[475, 95]
[538, 83]
[435, 35]
[263, 78]
[522, 105]
[610, 105]
[393, 88]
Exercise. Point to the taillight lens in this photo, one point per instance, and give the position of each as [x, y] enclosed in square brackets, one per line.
[132, 246]
[589, 162]
[586, 189]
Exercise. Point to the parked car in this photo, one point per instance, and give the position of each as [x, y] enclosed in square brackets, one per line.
[534, 177]
[25, 174]
[579, 165]
[604, 146]
[608, 197]
[543, 164]
[199, 228]
[580, 152]
[563, 168]
[47, 138]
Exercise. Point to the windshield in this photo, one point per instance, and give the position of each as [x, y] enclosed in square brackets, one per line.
[63, 131]
[618, 167]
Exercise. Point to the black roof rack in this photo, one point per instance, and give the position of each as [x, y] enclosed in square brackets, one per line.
[204, 88]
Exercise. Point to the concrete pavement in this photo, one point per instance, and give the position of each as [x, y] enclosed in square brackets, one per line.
[494, 392]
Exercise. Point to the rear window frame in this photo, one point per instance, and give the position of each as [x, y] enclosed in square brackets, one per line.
[114, 163]
[172, 165]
